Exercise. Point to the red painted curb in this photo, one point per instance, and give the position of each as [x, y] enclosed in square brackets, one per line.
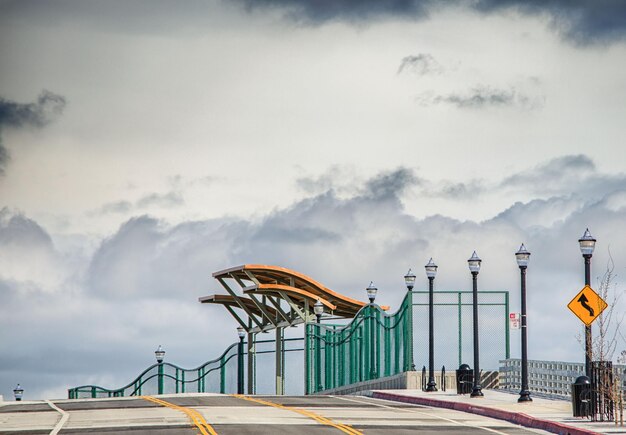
[513, 417]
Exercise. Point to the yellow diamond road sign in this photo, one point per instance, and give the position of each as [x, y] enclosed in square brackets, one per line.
[587, 305]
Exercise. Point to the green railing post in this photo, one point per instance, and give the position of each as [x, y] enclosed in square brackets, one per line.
[222, 376]
[387, 350]
[460, 299]
[182, 385]
[372, 346]
[507, 344]
[318, 359]
[409, 307]
[93, 392]
[177, 380]
[160, 378]
[307, 359]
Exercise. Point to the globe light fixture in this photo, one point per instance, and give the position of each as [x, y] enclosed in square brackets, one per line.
[318, 309]
[371, 292]
[431, 269]
[18, 392]
[587, 243]
[409, 280]
[159, 354]
[474, 263]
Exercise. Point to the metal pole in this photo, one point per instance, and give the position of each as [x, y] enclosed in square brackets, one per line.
[160, 377]
[240, 366]
[588, 350]
[318, 357]
[432, 385]
[251, 362]
[477, 388]
[524, 395]
[280, 381]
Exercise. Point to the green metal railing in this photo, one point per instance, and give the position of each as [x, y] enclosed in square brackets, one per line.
[374, 344]
[213, 376]
[453, 327]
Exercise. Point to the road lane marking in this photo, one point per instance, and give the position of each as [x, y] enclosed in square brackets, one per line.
[61, 422]
[196, 418]
[319, 418]
[488, 429]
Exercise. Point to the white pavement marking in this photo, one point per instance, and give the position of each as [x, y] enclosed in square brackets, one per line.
[61, 422]
[413, 410]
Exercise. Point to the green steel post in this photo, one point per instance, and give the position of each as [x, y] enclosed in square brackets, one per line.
[342, 361]
[460, 328]
[507, 350]
[222, 376]
[160, 378]
[182, 385]
[409, 302]
[387, 346]
[177, 381]
[396, 350]
[318, 360]
[200, 379]
[362, 363]
[93, 392]
[352, 360]
[307, 359]
[328, 359]
[377, 339]
[366, 346]
[372, 346]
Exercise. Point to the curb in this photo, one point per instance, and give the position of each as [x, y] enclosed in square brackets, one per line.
[512, 417]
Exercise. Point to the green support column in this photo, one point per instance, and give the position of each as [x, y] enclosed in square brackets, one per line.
[318, 360]
[307, 359]
[182, 385]
[160, 378]
[387, 351]
[460, 300]
[222, 376]
[328, 363]
[507, 350]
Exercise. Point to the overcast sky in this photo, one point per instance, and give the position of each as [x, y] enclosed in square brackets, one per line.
[145, 145]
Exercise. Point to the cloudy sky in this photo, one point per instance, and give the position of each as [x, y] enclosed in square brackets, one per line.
[146, 144]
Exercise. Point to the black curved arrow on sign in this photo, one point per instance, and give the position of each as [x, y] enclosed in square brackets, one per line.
[583, 301]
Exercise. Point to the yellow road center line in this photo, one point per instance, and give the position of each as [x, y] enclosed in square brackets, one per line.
[196, 418]
[319, 418]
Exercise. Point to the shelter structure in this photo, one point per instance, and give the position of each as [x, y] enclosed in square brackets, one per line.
[262, 298]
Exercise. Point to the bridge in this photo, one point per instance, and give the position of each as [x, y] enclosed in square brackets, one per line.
[351, 345]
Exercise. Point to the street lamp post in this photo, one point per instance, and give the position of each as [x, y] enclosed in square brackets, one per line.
[431, 271]
[587, 244]
[522, 256]
[241, 333]
[474, 267]
[159, 354]
[371, 295]
[409, 280]
[318, 309]
[18, 392]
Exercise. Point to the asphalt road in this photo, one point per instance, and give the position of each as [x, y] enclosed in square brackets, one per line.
[240, 415]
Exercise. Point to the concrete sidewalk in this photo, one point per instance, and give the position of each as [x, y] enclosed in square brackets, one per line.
[550, 415]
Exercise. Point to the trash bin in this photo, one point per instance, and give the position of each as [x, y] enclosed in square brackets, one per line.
[581, 397]
[464, 379]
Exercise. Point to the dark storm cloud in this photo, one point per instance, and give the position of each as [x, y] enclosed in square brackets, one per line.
[318, 11]
[18, 115]
[582, 21]
[421, 64]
